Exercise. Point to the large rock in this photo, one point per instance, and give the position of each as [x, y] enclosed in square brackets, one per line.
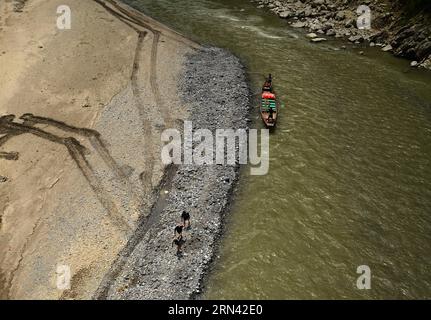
[406, 49]
[340, 16]
[318, 2]
[356, 39]
[316, 25]
[427, 63]
[387, 48]
[404, 34]
[423, 50]
[285, 14]
[349, 23]
[298, 24]
[308, 12]
[330, 32]
[311, 35]
[327, 26]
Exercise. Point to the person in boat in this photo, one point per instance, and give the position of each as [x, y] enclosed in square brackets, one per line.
[270, 114]
[185, 217]
[267, 86]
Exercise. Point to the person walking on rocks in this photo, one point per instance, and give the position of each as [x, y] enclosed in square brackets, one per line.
[185, 217]
[179, 243]
[178, 231]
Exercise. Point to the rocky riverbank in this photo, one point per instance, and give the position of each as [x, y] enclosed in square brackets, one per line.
[215, 90]
[395, 27]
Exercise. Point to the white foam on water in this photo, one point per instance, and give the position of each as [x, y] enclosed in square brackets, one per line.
[261, 33]
[293, 35]
[228, 17]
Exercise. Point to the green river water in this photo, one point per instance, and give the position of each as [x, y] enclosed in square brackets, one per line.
[350, 175]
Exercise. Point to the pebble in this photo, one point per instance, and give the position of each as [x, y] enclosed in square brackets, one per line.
[284, 14]
[318, 39]
[298, 25]
[330, 32]
[387, 48]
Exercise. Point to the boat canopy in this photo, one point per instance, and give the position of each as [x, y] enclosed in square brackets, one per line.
[268, 95]
[267, 104]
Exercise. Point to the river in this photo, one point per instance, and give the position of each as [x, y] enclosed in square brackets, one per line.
[349, 182]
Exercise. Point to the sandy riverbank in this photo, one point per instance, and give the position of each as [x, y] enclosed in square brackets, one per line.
[82, 111]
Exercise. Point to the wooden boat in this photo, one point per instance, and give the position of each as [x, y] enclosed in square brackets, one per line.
[269, 105]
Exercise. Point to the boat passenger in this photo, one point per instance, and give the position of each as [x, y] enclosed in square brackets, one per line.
[270, 113]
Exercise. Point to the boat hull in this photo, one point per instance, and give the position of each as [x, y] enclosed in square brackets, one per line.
[269, 105]
[268, 122]
[264, 114]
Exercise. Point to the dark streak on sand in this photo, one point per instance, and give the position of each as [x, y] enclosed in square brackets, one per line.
[78, 153]
[145, 176]
[144, 225]
[96, 141]
[76, 150]
[137, 22]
